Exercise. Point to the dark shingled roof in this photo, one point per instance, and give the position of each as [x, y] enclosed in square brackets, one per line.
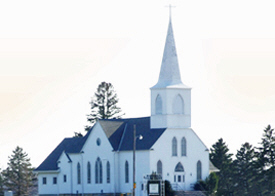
[119, 133]
[122, 138]
[68, 145]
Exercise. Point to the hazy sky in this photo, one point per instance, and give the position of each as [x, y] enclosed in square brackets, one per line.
[53, 55]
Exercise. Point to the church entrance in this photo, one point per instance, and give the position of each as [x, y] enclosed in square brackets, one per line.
[179, 178]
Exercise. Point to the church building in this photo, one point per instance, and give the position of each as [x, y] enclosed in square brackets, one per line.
[101, 162]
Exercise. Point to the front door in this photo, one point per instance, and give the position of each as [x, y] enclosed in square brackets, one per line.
[179, 177]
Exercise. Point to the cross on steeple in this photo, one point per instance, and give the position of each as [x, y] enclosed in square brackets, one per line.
[170, 10]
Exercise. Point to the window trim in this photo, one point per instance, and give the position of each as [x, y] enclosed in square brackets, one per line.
[199, 170]
[54, 180]
[158, 105]
[174, 147]
[89, 176]
[183, 147]
[178, 105]
[98, 171]
[64, 178]
[44, 180]
[78, 173]
[108, 172]
[159, 167]
[126, 172]
[179, 167]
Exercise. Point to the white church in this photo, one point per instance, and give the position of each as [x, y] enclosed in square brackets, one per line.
[101, 162]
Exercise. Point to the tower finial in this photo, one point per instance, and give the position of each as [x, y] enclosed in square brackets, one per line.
[170, 10]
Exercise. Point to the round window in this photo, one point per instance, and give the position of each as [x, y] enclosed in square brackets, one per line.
[98, 141]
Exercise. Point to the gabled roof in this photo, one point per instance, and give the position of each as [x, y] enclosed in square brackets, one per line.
[118, 131]
[68, 145]
[121, 139]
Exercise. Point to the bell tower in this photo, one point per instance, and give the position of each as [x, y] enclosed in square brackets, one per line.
[170, 98]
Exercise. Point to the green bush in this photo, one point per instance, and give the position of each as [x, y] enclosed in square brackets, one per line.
[168, 189]
[210, 184]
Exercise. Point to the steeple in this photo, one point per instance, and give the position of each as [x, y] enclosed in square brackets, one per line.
[169, 72]
[170, 98]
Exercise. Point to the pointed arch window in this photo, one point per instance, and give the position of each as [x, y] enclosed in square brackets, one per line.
[179, 167]
[159, 167]
[108, 169]
[78, 174]
[174, 147]
[199, 170]
[98, 171]
[158, 105]
[183, 146]
[178, 105]
[126, 172]
[89, 173]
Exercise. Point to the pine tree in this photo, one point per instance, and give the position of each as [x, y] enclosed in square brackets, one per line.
[221, 158]
[245, 171]
[212, 183]
[18, 177]
[1, 184]
[266, 161]
[209, 185]
[104, 104]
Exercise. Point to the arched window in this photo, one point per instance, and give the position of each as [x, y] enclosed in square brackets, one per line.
[199, 170]
[126, 172]
[179, 167]
[159, 167]
[183, 146]
[108, 169]
[178, 105]
[98, 171]
[89, 173]
[158, 105]
[174, 147]
[78, 174]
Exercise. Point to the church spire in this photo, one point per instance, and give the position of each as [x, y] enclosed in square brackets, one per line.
[170, 98]
[169, 72]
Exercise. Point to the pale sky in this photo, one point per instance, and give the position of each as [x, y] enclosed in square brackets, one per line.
[53, 55]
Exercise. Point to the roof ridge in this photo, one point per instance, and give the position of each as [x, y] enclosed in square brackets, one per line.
[122, 137]
[125, 119]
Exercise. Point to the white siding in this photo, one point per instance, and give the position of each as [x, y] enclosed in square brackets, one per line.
[91, 151]
[65, 169]
[168, 118]
[49, 187]
[142, 169]
[196, 151]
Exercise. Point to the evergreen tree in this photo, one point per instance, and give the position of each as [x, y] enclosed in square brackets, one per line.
[266, 161]
[209, 185]
[18, 177]
[104, 104]
[200, 186]
[168, 188]
[76, 135]
[1, 184]
[212, 183]
[221, 158]
[245, 172]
